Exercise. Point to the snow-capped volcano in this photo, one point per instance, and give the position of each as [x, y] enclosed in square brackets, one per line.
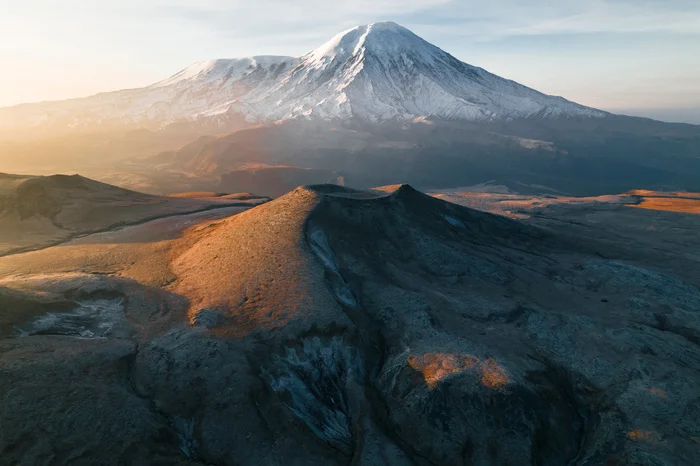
[384, 71]
[377, 72]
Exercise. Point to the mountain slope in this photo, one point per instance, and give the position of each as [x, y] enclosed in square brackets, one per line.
[204, 92]
[577, 156]
[39, 210]
[375, 72]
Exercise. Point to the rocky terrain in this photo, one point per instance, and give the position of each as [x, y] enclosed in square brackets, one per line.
[36, 211]
[341, 326]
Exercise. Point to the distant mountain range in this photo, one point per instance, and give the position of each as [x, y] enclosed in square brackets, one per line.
[376, 104]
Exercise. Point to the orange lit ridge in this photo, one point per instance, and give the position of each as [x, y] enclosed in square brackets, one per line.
[435, 367]
[643, 436]
[658, 392]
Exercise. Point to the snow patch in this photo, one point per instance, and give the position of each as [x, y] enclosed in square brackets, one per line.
[99, 318]
[318, 383]
[453, 221]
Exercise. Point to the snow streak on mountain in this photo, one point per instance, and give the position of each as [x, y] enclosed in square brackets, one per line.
[376, 72]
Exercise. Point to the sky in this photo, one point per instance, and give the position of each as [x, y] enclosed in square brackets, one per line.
[640, 57]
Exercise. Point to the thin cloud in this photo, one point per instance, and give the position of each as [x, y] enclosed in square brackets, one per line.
[615, 19]
[503, 19]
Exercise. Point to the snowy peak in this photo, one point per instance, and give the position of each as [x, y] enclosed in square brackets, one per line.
[377, 72]
[383, 41]
[383, 71]
[387, 37]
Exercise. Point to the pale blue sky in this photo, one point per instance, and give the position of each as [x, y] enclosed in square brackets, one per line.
[612, 54]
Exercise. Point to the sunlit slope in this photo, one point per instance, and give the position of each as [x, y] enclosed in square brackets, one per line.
[37, 211]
